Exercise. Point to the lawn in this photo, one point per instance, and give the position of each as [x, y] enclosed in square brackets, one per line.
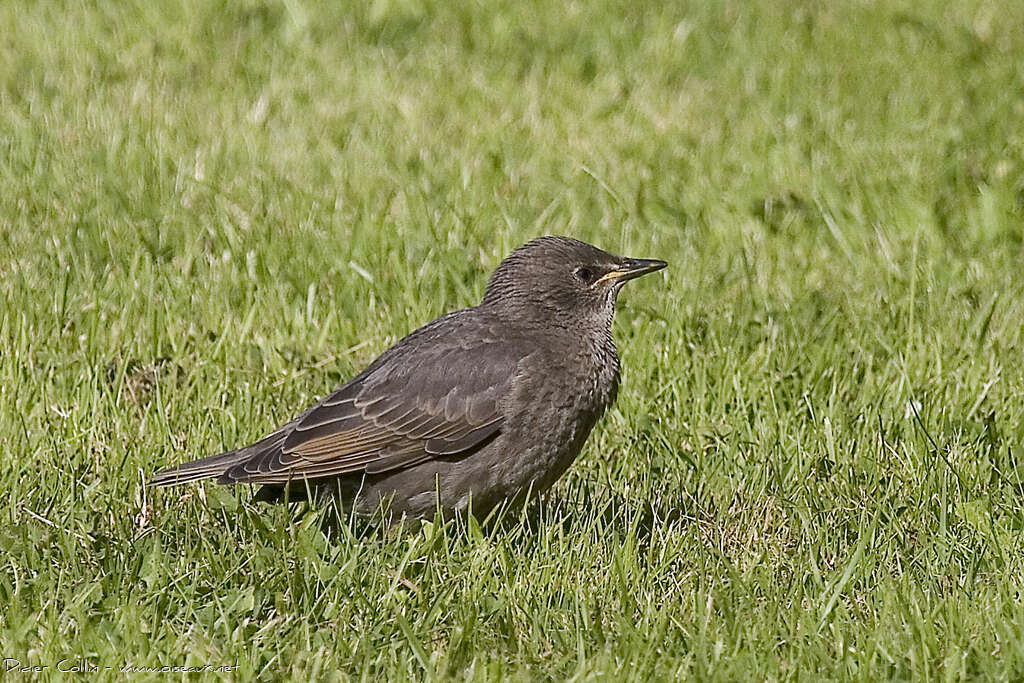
[212, 213]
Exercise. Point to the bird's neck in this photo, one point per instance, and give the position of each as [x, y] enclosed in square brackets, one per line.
[585, 334]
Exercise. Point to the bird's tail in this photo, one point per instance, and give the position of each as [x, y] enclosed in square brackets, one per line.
[204, 468]
[216, 465]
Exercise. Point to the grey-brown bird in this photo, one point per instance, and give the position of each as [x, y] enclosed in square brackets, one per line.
[483, 405]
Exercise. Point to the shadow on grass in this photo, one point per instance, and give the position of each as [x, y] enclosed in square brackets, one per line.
[582, 512]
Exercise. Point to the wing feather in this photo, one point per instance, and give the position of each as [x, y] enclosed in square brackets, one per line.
[431, 395]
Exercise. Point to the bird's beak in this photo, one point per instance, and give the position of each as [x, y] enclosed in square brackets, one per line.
[630, 268]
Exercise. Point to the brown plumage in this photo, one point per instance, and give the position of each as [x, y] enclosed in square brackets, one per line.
[479, 406]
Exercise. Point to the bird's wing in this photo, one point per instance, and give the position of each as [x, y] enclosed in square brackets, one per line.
[417, 402]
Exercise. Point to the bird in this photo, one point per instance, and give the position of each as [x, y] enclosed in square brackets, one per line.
[483, 406]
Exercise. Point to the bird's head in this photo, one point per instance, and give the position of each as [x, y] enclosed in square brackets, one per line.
[564, 277]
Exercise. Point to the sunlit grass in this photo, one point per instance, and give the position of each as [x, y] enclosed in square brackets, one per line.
[213, 213]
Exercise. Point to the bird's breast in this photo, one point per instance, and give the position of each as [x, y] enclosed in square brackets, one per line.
[558, 397]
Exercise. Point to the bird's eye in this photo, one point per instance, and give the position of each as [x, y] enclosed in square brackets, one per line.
[584, 274]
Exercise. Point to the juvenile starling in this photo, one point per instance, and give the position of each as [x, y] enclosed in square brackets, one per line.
[480, 406]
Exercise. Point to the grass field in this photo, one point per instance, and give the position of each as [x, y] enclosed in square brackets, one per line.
[212, 213]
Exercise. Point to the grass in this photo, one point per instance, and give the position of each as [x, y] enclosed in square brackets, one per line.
[212, 213]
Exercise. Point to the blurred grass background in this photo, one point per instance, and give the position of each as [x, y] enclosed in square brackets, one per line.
[211, 213]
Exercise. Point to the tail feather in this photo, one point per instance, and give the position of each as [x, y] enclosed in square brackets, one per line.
[216, 465]
[204, 468]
